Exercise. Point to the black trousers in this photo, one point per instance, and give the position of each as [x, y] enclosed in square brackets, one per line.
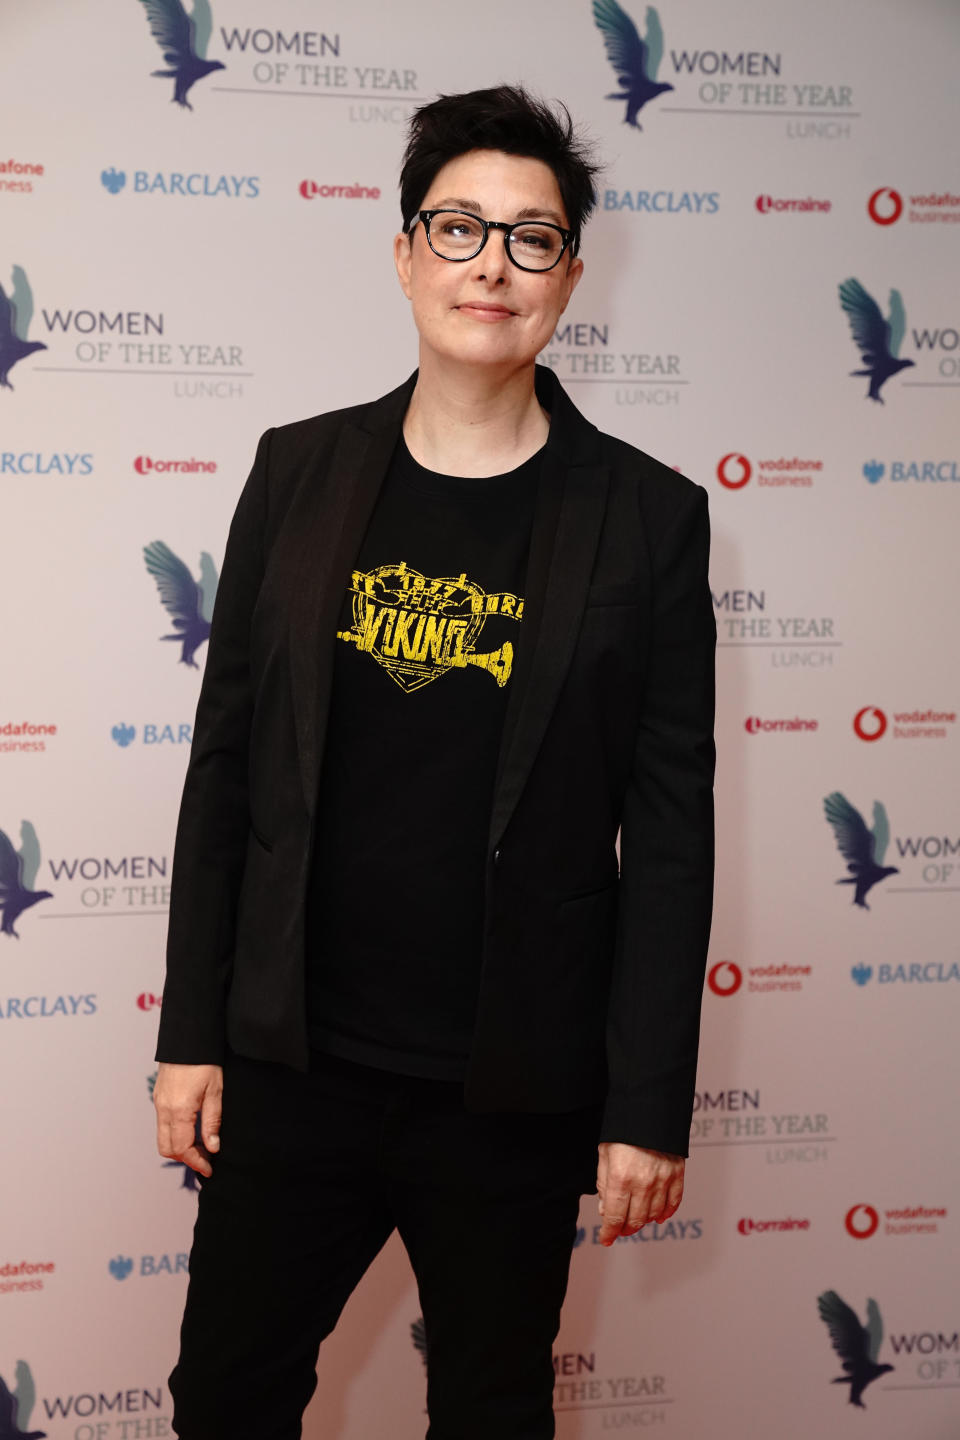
[314, 1174]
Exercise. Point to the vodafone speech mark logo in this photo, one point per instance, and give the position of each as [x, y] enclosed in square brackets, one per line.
[861, 1221]
[885, 206]
[734, 471]
[145, 465]
[725, 978]
[870, 723]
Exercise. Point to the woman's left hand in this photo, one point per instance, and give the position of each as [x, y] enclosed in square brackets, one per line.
[636, 1186]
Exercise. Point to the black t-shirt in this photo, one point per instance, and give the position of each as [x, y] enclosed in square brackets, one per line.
[424, 656]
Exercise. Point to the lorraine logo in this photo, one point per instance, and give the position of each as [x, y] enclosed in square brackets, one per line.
[734, 470]
[635, 62]
[18, 870]
[874, 471]
[862, 849]
[878, 340]
[183, 41]
[857, 1345]
[113, 180]
[189, 602]
[885, 206]
[862, 1221]
[16, 312]
[16, 1406]
[869, 723]
[725, 978]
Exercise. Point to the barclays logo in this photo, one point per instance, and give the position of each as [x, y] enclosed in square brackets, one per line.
[862, 974]
[663, 202]
[179, 734]
[874, 471]
[176, 182]
[120, 1266]
[36, 462]
[929, 471]
[189, 602]
[877, 339]
[16, 312]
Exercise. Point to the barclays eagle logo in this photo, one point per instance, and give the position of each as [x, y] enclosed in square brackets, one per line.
[873, 471]
[862, 849]
[16, 1406]
[123, 735]
[18, 870]
[857, 1345]
[635, 62]
[113, 180]
[183, 40]
[188, 601]
[16, 312]
[878, 340]
[120, 1266]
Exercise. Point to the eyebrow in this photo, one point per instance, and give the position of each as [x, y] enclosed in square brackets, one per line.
[530, 212]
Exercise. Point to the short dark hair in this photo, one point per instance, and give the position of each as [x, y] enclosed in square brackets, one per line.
[506, 118]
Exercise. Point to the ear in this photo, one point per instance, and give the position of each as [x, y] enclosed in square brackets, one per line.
[571, 280]
[403, 259]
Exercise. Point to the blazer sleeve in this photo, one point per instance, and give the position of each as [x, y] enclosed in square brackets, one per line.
[213, 824]
[666, 854]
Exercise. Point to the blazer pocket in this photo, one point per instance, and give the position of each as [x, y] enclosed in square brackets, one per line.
[621, 592]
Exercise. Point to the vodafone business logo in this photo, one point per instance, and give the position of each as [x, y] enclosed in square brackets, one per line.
[885, 206]
[870, 723]
[734, 470]
[725, 978]
[862, 1221]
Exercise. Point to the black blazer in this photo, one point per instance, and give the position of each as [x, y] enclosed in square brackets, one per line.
[591, 980]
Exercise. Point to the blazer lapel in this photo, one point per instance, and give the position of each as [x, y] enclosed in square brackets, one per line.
[328, 527]
[570, 506]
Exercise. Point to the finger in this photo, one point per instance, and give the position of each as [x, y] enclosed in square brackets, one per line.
[177, 1133]
[210, 1114]
[601, 1175]
[674, 1195]
[616, 1204]
[658, 1203]
[197, 1161]
[641, 1208]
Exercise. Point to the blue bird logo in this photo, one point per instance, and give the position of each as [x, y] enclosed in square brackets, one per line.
[857, 1345]
[862, 974]
[189, 1178]
[16, 312]
[16, 1406]
[18, 870]
[862, 849]
[124, 735]
[120, 1266]
[874, 471]
[635, 62]
[183, 40]
[188, 601]
[113, 180]
[878, 340]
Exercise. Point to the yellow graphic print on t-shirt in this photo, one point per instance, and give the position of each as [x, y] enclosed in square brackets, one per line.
[418, 628]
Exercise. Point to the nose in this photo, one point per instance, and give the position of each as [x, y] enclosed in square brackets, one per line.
[493, 265]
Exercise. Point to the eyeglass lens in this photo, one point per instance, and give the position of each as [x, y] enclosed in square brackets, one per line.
[457, 236]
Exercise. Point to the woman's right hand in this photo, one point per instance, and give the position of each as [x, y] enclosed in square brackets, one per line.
[181, 1092]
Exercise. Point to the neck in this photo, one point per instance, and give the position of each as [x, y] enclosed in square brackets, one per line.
[464, 420]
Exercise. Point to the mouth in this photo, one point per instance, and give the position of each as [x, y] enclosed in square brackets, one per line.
[483, 310]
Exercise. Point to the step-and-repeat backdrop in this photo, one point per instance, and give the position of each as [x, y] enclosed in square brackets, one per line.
[196, 217]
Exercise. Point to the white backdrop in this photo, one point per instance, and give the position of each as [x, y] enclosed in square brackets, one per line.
[191, 289]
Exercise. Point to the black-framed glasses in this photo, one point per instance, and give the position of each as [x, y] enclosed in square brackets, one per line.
[460, 235]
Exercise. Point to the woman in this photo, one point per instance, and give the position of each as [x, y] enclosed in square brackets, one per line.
[461, 639]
